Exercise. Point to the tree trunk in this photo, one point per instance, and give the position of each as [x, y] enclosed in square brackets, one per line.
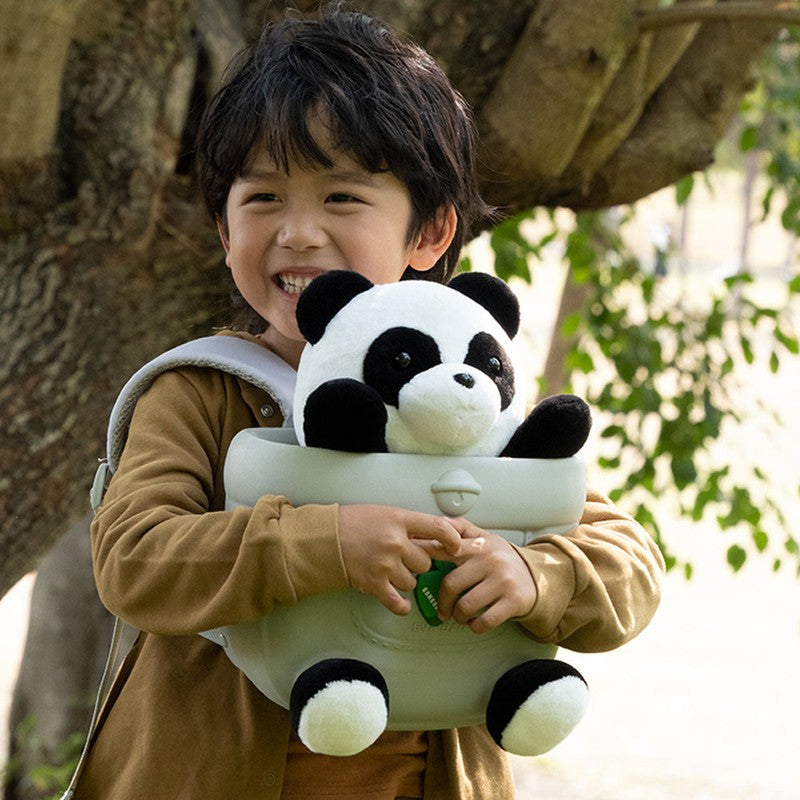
[65, 652]
[751, 170]
[573, 299]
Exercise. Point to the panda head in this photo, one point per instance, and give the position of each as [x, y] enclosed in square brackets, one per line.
[439, 357]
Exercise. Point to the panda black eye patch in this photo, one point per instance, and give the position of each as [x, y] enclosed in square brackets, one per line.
[485, 354]
[395, 357]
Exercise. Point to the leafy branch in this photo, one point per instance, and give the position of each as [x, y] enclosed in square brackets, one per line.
[661, 369]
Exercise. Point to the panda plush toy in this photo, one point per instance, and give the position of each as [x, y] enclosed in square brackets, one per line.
[418, 367]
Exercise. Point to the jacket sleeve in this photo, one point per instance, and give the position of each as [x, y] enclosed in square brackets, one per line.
[167, 557]
[598, 585]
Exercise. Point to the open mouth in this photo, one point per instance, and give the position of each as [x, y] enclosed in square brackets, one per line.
[294, 284]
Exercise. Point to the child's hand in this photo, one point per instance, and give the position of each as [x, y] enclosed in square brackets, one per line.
[380, 554]
[491, 583]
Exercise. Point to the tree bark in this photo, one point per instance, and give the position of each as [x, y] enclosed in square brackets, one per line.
[34, 39]
[122, 266]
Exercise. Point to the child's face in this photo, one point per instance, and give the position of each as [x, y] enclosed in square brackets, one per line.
[285, 229]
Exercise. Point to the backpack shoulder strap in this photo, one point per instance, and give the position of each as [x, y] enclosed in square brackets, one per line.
[244, 359]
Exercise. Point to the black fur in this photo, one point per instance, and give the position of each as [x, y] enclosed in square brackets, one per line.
[516, 686]
[345, 414]
[395, 357]
[324, 298]
[493, 294]
[486, 354]
[557, 428]
[323, 673]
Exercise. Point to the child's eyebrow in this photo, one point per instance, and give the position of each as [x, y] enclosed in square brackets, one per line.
[258, 174]
[360, 177]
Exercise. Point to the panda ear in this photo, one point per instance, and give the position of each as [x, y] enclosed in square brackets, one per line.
[324, 298]
[493, 294]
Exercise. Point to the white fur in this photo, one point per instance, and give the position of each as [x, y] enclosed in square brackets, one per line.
[343, 718]
[437, 415]
[452, 319]
[547, 717]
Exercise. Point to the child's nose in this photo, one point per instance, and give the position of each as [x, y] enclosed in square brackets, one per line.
[300, 230]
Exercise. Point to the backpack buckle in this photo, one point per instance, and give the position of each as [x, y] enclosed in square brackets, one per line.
[99, 484]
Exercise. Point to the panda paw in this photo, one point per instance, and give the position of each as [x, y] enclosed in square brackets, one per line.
[344, 414]
[557, 428]
[339, 707]
[536, 705]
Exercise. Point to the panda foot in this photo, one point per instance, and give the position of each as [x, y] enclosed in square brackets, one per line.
[535, 706]
[339, 707]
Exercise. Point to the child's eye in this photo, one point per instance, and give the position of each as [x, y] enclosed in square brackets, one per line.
[342, 197]
[262, 197]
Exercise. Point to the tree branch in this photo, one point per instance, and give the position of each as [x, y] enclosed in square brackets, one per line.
[784, 13]
[34, 38]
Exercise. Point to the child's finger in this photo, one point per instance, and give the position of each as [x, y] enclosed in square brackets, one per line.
[455, 584]
[490, 617]
[440, 529]
[466, 529]
[394, 601]
[417, 558]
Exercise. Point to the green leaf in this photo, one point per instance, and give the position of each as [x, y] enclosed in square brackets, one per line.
[761, 540]
[580, 361]
[749, 138]
[789, 342]
[747, 349]
[511, 249]
[683, 471]
[736, 556]
[572, 323]
[739, 277]
[683, 189]
[610, 431]
[790, 216]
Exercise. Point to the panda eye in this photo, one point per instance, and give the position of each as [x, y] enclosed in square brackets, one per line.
[495, 366]
[402, 360]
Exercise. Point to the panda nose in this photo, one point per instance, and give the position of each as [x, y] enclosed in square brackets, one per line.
[465, 379]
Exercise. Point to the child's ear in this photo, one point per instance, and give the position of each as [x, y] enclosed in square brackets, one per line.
[222, 230]
[434, 240]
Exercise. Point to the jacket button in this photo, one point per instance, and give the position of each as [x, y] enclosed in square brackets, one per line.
[267, 410]
[270, 779]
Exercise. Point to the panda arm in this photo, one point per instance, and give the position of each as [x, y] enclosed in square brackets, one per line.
[557, 428]
[345, 414]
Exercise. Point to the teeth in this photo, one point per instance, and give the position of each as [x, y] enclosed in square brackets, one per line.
[293, 284]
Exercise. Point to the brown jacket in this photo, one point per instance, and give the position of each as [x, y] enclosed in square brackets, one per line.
[181, 720]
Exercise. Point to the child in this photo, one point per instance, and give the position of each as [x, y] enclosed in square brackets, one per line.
[332, 145]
